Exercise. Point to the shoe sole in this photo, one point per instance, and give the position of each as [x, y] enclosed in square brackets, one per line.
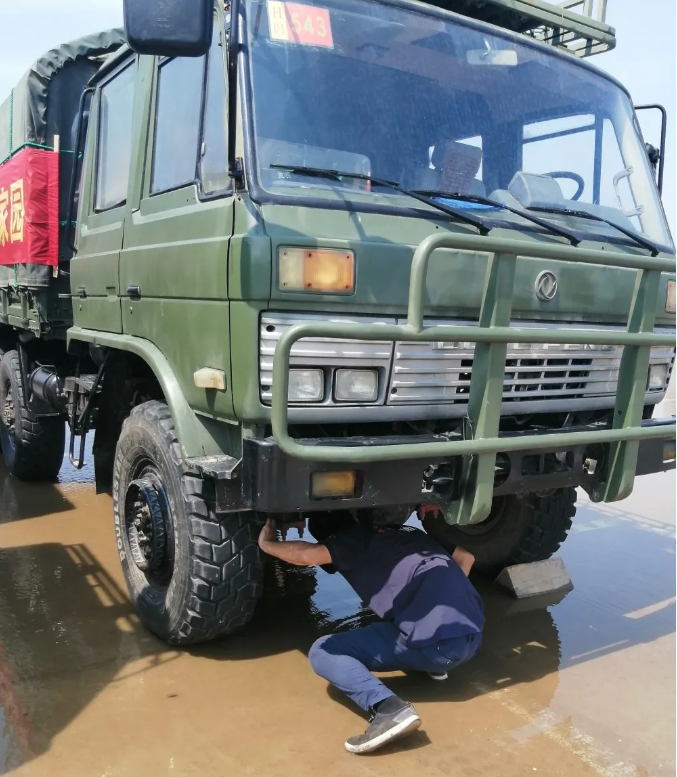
[407, 726]
[438, 677]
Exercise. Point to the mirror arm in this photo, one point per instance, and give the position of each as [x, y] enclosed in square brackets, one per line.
[235, 169]
[70, 229]
[661, 150]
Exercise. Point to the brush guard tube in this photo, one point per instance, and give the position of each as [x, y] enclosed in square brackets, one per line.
[492, 334]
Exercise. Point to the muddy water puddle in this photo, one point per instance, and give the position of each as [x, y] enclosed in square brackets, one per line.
[583, 685]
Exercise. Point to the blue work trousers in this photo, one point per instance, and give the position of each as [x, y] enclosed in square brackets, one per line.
[347, 659]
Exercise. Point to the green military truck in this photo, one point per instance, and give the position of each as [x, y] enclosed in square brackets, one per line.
[382, 257]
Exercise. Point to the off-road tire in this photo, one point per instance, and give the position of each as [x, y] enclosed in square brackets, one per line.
[217, 574]
[34, 451]
[521, 528]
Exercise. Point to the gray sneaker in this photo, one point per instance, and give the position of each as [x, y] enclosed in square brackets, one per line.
[383, 729]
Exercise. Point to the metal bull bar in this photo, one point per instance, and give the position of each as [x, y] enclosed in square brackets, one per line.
[492, 334]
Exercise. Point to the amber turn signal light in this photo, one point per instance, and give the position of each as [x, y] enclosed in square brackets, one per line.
[332, 484]
[316, 270]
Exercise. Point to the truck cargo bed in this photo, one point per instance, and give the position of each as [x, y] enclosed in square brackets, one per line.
[37, 123]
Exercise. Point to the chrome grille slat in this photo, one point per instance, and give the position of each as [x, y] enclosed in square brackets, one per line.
[508, 383]
[426, 373]
[422, 373]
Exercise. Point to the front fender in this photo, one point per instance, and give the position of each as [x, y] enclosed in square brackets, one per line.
[197, 438]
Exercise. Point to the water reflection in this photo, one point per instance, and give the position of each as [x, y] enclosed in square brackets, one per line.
[19, 501]
[66, 628]
[68, 632]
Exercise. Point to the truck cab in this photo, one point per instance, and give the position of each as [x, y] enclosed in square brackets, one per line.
[384, 257]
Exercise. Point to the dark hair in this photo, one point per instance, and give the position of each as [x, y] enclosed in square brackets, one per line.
[324, 525]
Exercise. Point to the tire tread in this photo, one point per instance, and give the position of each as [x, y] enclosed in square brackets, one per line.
[40, 442]
[552, 518]
[533, 528]
[226, 569]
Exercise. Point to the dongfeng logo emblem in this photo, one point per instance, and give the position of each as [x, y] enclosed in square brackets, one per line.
[546, 286]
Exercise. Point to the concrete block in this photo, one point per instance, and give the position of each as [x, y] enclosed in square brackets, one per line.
[536, 579]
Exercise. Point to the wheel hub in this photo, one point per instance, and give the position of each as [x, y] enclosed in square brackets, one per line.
[146, 522]
[7, 421]
[8, 413]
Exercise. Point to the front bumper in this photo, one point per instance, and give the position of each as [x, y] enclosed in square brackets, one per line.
[483, 442]
[269, 480]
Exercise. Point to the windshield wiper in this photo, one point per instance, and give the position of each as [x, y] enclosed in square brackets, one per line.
[495, 204]
[583, 214]
[339, 175]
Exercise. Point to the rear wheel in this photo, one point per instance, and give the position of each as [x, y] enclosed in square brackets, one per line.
[521, 528]
[32, 447]
[192, 575]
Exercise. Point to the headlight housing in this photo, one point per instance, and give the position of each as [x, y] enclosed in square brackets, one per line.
[658, 377]
[315, 270]
[306, 386]
[356, 386]
[671, 302]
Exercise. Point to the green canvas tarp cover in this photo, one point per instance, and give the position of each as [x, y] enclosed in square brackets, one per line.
[24, 113]
[43, 104]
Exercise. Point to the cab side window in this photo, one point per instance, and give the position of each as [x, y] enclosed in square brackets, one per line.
[213, 155]
[115, 140]
[177, 124]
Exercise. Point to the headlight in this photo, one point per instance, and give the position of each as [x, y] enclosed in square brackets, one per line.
[670, 301]
[317, 270]
[658, 376]
[356, 385]
[306, 385]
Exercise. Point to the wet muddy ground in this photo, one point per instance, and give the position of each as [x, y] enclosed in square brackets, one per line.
[580, 686]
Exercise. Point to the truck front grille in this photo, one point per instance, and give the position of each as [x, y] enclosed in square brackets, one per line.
[425, 373]
[435, 373]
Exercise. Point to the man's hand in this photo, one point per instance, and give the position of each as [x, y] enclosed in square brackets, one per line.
[268, 533]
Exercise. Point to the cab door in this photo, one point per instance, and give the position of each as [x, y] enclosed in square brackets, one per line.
[173, 272]
[95, 267]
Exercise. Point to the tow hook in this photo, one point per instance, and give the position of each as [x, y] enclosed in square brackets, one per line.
[589, 466]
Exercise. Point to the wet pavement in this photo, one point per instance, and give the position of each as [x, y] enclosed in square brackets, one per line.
[580, 686]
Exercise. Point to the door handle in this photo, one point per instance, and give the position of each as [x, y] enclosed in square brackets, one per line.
[134, 292]
[82, 292]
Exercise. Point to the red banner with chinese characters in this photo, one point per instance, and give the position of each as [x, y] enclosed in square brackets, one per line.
[29, 208]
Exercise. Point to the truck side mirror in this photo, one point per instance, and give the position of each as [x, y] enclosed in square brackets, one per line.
[169, 28]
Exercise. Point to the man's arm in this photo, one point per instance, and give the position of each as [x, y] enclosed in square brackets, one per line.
[302, 554]
[464, 558]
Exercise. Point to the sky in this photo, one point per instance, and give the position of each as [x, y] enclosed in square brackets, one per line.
[644, 59]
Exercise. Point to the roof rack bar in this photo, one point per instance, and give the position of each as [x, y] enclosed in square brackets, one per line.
[576, 26]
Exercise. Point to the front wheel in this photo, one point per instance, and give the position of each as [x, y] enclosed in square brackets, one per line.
[520, 529]
[32, 447]
[192, 575]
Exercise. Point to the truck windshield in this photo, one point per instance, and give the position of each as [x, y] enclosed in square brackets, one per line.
[441, 104]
